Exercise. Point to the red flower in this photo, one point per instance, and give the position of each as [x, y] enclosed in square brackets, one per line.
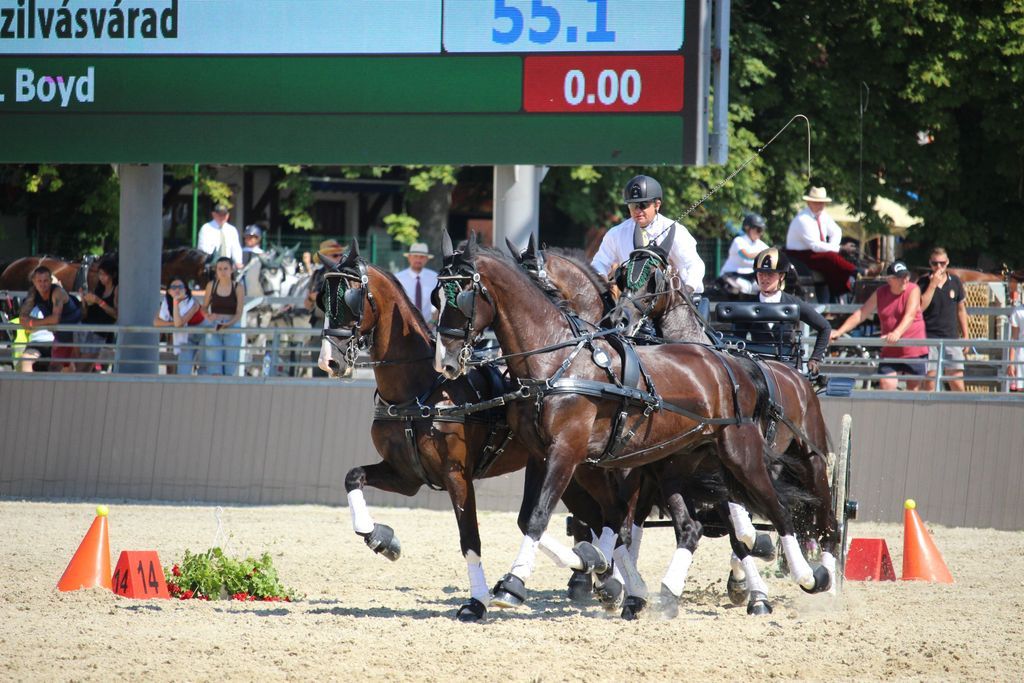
[175, 570]
[188, 595]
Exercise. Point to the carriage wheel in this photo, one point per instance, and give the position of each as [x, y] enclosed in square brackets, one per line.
[844, 508]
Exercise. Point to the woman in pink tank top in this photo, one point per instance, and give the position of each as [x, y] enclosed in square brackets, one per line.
[899, 315]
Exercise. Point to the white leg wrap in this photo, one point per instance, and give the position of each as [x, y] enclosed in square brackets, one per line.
[737, 568]
[634, 545]
[798, 567]
[617, 574]
[362, 523]
[606, 542]
[477, 581]
[754, 580]
[675, 577]
[828, 561]
[559, 554]
[633, 581]
[742, 525]
[525, 560]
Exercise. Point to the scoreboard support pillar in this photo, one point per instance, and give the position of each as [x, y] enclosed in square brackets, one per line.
[516, 204]
[140, 245]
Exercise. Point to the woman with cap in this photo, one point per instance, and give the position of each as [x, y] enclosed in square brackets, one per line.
[899, 316]
[771, 266]
[738, 269]
[815, 239]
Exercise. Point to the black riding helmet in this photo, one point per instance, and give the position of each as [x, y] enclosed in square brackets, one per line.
[754, 220]
[771, 261]
[642, 188]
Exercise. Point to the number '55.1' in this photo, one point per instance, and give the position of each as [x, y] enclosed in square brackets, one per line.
[550, 16]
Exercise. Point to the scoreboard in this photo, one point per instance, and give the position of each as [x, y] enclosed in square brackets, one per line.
[354, 81]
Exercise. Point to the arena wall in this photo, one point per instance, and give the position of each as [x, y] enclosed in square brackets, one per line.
[292, 441]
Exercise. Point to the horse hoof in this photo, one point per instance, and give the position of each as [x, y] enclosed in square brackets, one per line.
[763, 548]
[668, 603]
[822, 581]
[474, 610]
[509, 592]
[581, 587]
[608, 593]
[594, 561]
[737, 589]
[758, 605]
[632, 606]
[382, 540]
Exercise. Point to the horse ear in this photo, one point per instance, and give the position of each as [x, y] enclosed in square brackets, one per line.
[354, 250]
[447, 250]
[638, 236]
[516, 254]
[531, 246]
[471, 244]
[666, 243]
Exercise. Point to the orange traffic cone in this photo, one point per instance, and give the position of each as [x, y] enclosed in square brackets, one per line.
[922, 561]
[90, 566]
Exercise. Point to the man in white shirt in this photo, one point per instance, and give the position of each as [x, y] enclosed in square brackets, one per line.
[418, 280]
[738, 270]
[220, 236]
[643, 197]
[814, 239]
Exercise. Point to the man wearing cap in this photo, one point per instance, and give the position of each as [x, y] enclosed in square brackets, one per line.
[642, 195]
[253, 236]
[220, 237]
[944, 305]
[899, 317]
[252, 268]
[418, 280]
[814, 238]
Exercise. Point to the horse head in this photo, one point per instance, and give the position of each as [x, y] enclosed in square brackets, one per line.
[646, 286]
[342, 297]
[464, 305]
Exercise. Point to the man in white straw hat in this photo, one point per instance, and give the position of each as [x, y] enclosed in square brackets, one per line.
[814, 239]
[418, 280]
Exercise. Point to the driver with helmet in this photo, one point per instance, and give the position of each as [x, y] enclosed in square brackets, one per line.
[643, 195]
[771, 266]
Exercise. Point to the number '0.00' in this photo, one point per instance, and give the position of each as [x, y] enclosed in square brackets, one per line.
[611, 87]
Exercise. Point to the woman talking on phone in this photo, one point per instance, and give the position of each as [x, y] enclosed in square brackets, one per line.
[223, 303]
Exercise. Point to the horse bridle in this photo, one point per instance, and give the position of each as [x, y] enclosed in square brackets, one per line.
[450, 292]
[354, 299]
[634, 281]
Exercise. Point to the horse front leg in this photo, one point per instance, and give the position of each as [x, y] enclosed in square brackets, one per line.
[741, 451]
[379, 537]
[538, 505]
[463, 497]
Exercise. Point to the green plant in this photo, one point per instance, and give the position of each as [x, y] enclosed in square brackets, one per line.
[215, 576]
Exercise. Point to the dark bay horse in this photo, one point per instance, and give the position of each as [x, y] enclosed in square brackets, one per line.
[661, 299]
[366, 306]
[565, 423]
[589, 296]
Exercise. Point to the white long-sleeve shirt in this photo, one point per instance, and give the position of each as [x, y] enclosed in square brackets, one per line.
[213, 237]
[741, 255]
[804, 235]
[428, 282]
[617, 245]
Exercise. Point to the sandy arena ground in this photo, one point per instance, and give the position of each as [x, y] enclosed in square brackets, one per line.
[365, 618]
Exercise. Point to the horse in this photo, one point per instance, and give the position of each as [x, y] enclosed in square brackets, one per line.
[419, 443]
[654, 294]
[589, 297]
[191, 265]
[570, 412]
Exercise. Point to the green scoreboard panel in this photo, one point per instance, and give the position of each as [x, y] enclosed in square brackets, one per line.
[353, 81]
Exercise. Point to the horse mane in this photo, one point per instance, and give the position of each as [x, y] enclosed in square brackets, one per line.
[549, 291]
[579, 259]
[417, 314]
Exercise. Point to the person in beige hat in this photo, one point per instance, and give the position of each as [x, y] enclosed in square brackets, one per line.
[814, 239]
[418, 280]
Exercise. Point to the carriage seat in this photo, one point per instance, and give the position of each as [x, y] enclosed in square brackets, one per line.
[739, 315]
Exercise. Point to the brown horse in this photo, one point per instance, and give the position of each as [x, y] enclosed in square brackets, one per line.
[573, 413]
[191, 265]
[418, 444]
[656, 295]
